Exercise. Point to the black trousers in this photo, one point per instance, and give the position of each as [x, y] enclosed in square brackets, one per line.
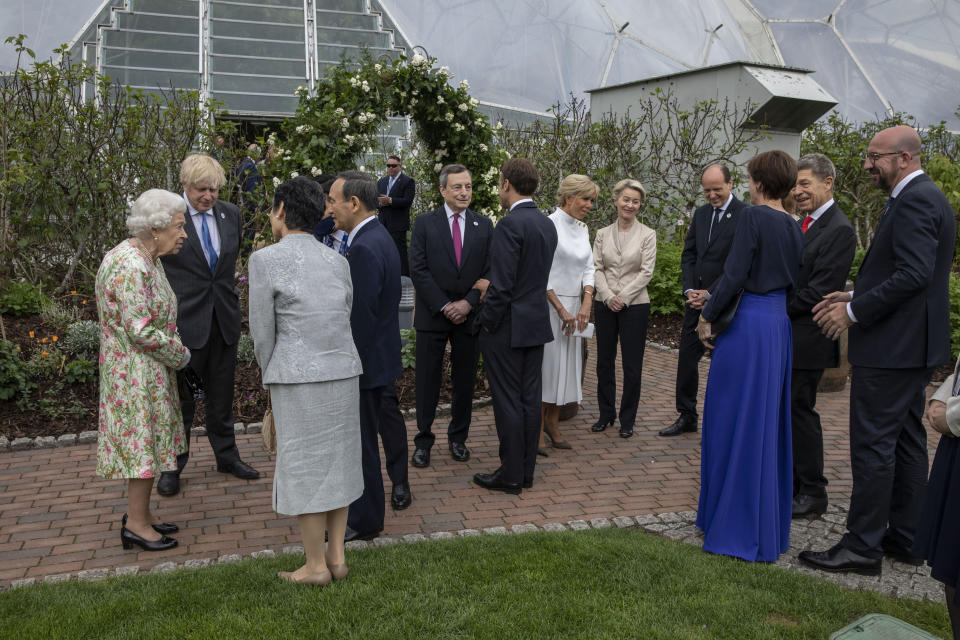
[808, 478]
[215, 363]
[888, 455]
[400, 239]
[629, 326]
[688, 365]
[516, 382]
[379, 415]
[464, 353]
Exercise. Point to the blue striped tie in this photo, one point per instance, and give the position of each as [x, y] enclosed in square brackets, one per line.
[207, 242]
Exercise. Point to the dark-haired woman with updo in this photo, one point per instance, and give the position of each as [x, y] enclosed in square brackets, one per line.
[746, 469]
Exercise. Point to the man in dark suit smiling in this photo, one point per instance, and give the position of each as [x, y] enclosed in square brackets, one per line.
[449, 255]
[704, 252]
[375, 272]
[828, 247]
[515, 324]
[899, 320]
[208, 312]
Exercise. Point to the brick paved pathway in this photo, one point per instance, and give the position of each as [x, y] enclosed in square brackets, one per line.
[57, 516]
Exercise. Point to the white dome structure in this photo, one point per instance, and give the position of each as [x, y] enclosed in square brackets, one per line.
[874, 56]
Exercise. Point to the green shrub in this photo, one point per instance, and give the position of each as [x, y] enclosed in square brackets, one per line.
[21, 299]
[13, 373]
[857, 261]
[408, 348]
[666, 286]
[82, 339]
[954, 314]
[45, 363]
[59, 316]
[245, 349]
[79, 370]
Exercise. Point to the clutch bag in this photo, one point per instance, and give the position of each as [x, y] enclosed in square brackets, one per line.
[726, 316]
[269, 429]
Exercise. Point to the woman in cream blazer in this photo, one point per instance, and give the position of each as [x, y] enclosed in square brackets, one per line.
[624, 255]
[308, 360]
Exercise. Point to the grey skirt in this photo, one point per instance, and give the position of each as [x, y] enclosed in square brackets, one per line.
[318, 446]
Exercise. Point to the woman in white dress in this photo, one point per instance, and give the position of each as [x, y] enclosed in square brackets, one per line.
[570, 294]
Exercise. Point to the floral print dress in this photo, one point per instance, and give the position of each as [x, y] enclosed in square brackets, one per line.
[141, 427]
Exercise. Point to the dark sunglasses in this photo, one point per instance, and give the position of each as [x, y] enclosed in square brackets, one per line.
[391, 166]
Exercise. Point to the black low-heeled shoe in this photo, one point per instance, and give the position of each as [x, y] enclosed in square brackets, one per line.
[626, 432]
[600, 425]
[128, 539]
[163, 528]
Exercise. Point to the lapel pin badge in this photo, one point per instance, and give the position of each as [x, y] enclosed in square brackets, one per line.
[222, 216]
[728, 216]
[475, 223]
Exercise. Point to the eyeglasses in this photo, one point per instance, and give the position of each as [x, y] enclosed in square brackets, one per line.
[873, 156]
[391, 166]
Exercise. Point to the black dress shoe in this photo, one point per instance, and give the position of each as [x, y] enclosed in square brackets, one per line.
[527, 483]
[839, 559]
[804, 505]
[400, 497]
[352, 535]
[601, 425]
[459, 451]
[494, 482]
[421, 458]
[239, 468]
[900, 553]
[626, 432]
[162, 528]
[169, 483]
[683, 424]
[129, 538]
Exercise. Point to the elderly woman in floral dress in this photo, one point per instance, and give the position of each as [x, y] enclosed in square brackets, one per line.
[141, 427]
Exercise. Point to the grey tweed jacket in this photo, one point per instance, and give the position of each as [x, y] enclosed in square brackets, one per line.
[300, 300]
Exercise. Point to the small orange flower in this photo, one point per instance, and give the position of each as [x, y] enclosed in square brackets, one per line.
[30, 334]
[83, 302]
[73, 292]
[18, 347]
[54, 338]
[43, 340]
[43, 354]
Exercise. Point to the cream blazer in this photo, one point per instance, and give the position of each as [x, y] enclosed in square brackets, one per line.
[623, 263]
[945, 394]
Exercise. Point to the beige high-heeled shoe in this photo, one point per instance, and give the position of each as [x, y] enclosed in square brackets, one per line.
[321, 579]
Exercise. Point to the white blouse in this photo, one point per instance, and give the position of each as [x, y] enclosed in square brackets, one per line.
[572, 267]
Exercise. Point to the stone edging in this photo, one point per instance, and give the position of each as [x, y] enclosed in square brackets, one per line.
[898, 580]
[90, 437]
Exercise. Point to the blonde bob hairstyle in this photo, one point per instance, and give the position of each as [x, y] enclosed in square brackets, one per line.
[154, 209]
[575, 185]
[200, 168]
[629, 183]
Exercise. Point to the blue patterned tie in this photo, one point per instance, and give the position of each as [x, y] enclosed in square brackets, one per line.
[343, 244]
[328, 240]
[207, 242]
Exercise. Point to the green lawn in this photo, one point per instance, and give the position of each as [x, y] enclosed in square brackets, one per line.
[613, 583]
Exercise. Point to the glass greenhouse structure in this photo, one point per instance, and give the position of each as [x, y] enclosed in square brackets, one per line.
[520, 56]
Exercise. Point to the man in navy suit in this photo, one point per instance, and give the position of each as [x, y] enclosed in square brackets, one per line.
[514, 323]
[449, 255]
[396, 191]
[208, 312]
[828, 247]
[899, 321]
[375, 272]
[704, 252]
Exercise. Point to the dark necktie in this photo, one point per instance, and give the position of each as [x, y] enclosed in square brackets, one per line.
[806, 223]
[714, 220]
[207, 242]
[889, 204]
[343, 245]
[328, 240]
[457, 239]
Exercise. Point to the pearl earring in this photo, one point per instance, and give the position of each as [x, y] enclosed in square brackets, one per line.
[156, 239]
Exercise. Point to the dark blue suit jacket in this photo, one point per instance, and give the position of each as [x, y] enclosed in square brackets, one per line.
[901, 297]
[702, 261]
[375, 272]
[434, 271]
[396, 216]
[521, 254]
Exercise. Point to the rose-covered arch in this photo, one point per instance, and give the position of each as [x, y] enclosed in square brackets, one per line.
[337, 123]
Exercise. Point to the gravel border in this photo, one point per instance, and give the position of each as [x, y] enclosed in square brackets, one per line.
[898, 580]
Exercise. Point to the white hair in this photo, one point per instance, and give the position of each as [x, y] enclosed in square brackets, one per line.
[154, 209]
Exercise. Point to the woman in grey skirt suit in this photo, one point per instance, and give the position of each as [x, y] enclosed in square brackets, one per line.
[302, 341]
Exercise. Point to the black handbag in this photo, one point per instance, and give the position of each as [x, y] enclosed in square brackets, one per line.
[723, 321]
